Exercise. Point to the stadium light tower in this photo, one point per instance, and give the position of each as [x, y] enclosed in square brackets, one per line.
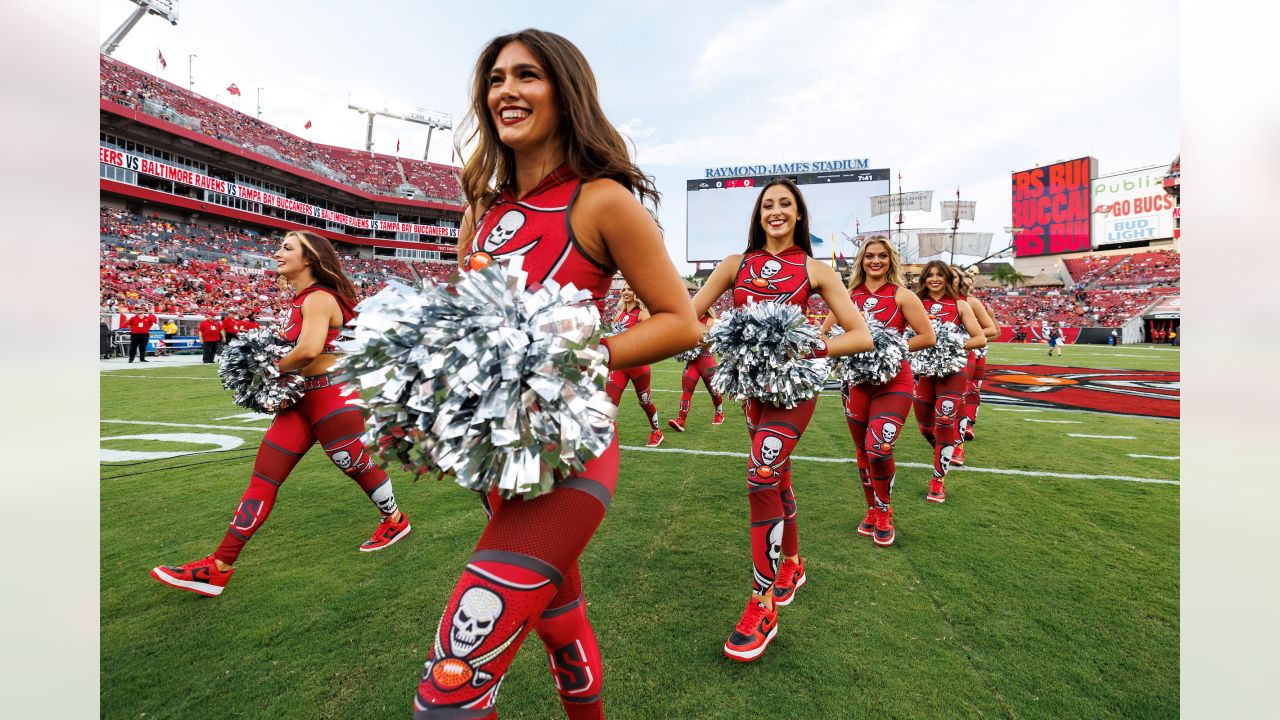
[422, 116]
[167, 9]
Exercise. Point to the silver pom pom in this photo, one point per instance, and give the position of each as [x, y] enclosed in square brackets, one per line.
[981, 352]
[876, 366]
[692, 353]
[946, 357]
[479, 378]
[248, 368]
[762, 349]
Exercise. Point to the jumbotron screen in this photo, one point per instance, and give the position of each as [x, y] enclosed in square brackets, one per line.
[1051, 205]
[718, 211]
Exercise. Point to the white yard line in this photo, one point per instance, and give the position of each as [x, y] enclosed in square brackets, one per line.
[1104, 437]
[1058, 422]
[1156, 457]
[722, 453]
[1008, 409]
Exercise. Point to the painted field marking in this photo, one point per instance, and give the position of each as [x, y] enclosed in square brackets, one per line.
[966, 468]
[1155, 457]
[184, 425]
[1059, 422]
[160, 377]
[222, 442]
[723, 453]
[1104, 437]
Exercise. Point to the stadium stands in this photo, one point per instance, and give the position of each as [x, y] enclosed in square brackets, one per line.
[380, 174]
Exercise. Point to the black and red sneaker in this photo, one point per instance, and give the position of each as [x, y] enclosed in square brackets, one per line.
[753, 633]
[388, 533]
[884, 527]
[790, 577]
[201, 577]
[719, 418]
[937, 493]
[957, 457]
[676, 424]
[867, 527]
[655, 439]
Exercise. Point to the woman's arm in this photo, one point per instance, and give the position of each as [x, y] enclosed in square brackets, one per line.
[913, 310]
[720, 280]
[465, 230]
[976, 338]
[318, 309]
[856, 337]
[607, 217]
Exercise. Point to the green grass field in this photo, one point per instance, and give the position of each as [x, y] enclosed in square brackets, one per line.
[1024, 596]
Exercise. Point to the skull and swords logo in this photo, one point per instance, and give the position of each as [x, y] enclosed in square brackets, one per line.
[768, 275]
[472, 622]
[501, 234]
[770, 449]
[888, 432]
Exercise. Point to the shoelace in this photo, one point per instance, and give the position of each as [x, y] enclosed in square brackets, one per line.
[787, 574]
[751, 618]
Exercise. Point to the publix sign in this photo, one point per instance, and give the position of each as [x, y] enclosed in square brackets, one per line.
[1131, 207]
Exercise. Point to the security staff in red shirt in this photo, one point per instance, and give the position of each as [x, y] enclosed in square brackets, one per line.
[230, 326]
[139, 331]
[210, 336]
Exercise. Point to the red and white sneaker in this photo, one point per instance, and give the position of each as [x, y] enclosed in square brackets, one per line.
[957, 457]
[937, 493]
[968, 435]
[201, 577]
[868, 525]
[387, 533]
[676, 424]
[790, 577]
[719, 418]
[753, 633]
[884, 527]
[655, 439]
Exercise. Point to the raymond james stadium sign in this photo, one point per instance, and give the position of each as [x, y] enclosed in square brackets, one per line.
[789, 168]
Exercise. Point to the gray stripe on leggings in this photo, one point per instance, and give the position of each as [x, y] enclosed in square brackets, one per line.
[520, 560]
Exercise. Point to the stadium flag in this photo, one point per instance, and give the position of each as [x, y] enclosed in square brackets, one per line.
[833, 249]
[308, 125]
[160, 56]
[397, 144]
[233, 89]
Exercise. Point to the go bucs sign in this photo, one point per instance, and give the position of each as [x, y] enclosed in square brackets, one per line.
[1132, 206]
[1051, 205]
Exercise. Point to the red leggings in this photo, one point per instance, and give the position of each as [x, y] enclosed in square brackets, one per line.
[774, 434]
[522, 576]
[640, 376]
[704, 367]
[876, 414]
[975, 371]
[322, 414]
[938, 404]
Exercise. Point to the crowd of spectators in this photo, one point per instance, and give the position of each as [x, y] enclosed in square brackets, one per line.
[1091, 308]
[1159, 268]
[128, 86]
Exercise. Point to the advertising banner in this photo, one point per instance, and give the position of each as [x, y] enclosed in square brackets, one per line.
[147, 166]
[976, 244]
[1132, 206]
[962, 209]
[915, 201]
[1052, 206]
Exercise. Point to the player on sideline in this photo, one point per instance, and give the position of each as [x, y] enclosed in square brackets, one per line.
[323, 303]
[877, 413]
[549, 180]
[630, 313]
[778, 266]
[977, 367]
[938, 399]
[704, 367]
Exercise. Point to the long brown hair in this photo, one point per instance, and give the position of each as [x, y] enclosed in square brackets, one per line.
[755, 235]
[893, 275]
[593, 147]
[949, 286]
[325, 265]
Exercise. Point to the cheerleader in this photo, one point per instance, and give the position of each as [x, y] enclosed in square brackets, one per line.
[977, 366]
[778, 266]
[876, 414]
[631, 313]
[323, 303]
[702, 367]
[938, 399]
[549, 181]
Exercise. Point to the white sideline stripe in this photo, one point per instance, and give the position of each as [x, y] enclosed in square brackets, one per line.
[1156, 457]
[965, 468]
[1059, 422]
[161, 377]
[1104, 437]
[1005, 409]
[184, 425]
[723, 453]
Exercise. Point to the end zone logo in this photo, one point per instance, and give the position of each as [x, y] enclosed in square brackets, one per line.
[1143, 393]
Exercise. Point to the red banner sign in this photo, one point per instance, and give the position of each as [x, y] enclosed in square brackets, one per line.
[1051, 205]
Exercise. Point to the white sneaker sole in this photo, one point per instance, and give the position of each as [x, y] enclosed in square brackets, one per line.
[803, 579]
[408, 529]
[751, 654]
[196, 587]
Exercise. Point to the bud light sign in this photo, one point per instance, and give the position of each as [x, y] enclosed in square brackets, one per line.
[1132, 207]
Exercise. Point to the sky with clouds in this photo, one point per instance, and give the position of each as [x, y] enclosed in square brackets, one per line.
[949, 94]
